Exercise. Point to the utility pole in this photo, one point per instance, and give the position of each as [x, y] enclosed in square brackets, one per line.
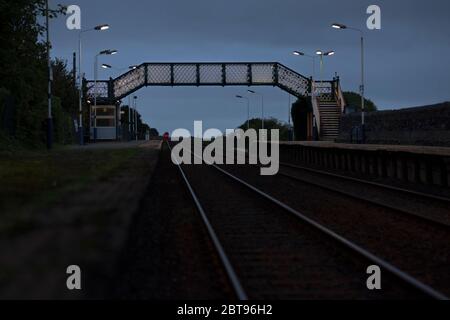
[50, 79]
[74, 68]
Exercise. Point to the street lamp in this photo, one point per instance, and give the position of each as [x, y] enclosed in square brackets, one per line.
[101, 27]
[300, 53]
[262, 104]
[248, 109]
[340, 26]
[313, 83]
[105, 66]
[104, 52]
[322, 54]
[132, 67]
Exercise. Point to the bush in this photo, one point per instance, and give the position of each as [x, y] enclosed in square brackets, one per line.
[63, 126]
[4, 94]
[353, 99]
[269, 124]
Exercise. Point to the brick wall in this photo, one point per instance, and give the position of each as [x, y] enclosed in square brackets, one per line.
[429, 125]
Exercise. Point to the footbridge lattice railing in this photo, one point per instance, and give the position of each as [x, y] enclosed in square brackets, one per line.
[202, 74]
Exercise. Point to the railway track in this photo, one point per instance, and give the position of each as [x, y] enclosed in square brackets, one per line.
[443, 220]
[242, 239]
[371, 183]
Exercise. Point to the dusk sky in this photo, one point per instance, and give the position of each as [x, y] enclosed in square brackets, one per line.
[407, 61]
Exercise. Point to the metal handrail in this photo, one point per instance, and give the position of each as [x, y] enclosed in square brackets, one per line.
[315, 105]
[340, 99]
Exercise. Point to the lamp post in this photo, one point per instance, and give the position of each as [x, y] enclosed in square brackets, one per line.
[132, 67]
[50, 79]
[262, 105]
[129, 118]
[322, 54]
[248, 109]
[313, 58]
[101, 27]
[313, 83]
[135, 118]
[340, 26]
[104, 52]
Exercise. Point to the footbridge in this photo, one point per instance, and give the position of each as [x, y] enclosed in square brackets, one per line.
[274, 74]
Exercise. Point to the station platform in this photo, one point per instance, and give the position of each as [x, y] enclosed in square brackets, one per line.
[118, 145]
[420, 165]
[422, 150]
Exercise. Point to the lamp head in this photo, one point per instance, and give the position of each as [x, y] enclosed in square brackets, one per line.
[108, 52]
[338, 26]
[102, 27]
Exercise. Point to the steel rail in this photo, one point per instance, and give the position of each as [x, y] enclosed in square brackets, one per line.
[361, 198]
[375, 184]
[236, 283]
[402, 275]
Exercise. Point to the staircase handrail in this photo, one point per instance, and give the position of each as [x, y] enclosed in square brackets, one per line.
[339, 94]
[315, 105]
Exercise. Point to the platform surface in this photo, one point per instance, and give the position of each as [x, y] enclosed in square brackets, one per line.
[425, 150]
[118, 145]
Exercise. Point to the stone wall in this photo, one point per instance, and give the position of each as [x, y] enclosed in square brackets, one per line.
[429, 126]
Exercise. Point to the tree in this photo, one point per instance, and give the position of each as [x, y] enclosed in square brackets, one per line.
[154, 132]
[65, 105]
[24, 66]
[142, 127]
[269, 124]
[353, 99]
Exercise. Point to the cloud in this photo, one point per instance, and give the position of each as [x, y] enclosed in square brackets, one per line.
[406, 61]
